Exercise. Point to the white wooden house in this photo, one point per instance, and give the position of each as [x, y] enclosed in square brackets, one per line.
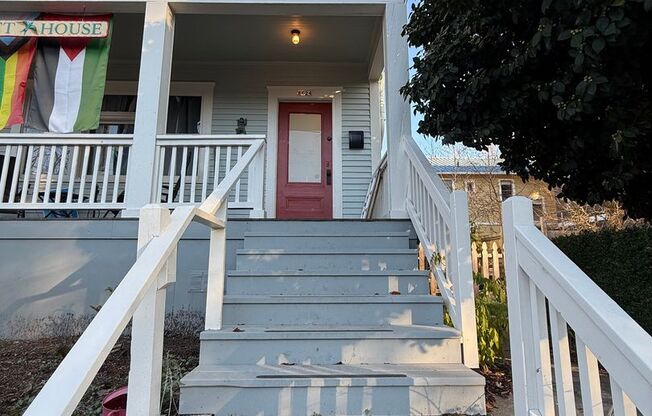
[316, 264]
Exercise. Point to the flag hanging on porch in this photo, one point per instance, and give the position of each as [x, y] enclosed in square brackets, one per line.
[69, 80]
[16, 55]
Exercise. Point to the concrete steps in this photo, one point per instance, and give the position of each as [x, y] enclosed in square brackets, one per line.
[327, 240]
[405, 282]
[330, 345]
[333, 310]
[330, 318]
[424, 389]
[318, 260]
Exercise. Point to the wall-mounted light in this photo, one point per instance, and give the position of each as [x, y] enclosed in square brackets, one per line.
[295, 39]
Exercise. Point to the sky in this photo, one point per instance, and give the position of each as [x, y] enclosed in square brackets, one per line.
[429, 145]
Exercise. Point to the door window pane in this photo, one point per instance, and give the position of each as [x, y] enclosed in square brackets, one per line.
[304, 153]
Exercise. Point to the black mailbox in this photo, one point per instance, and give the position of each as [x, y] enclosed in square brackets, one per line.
[356, 140]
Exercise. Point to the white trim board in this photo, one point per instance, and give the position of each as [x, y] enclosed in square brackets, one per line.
[275, 95]
[177, 88]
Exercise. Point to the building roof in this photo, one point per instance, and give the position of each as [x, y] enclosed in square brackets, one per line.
[468, 169]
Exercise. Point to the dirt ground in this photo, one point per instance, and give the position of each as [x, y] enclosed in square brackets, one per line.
[27, 364]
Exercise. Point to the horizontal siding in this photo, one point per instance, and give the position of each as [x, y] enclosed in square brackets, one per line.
[229, 106]
[356, 164]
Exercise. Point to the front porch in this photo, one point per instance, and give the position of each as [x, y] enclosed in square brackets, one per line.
[218, 64]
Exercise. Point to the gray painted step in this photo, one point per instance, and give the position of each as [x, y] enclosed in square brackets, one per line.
[330, 345]
[327, 283]
[424, 389]
[276, 260]
[333, 310]
[329, 240]
[330, 226]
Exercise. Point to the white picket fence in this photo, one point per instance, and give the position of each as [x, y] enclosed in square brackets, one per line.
[548, 295]
[487, 260]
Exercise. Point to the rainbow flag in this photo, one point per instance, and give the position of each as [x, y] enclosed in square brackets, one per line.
[16, 55]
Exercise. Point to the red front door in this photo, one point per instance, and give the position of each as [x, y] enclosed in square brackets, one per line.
[305, 166]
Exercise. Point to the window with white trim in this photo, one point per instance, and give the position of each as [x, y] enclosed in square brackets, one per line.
[506, 188]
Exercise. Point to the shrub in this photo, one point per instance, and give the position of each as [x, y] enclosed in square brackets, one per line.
[620, 262]
[491, 320]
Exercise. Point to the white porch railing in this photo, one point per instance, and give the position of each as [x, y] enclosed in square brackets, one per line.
[56, 171]
[374, 189]
[89, 171]
[547, 293]
[191, 166]
[141, 295]
[441, 221]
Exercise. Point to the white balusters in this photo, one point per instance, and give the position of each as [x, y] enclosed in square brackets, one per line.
[4, 170]
[441, 221]
[16, 175]
[203, 163]
[562, 361]
[73, 173]
[547, 294]
[53, 171]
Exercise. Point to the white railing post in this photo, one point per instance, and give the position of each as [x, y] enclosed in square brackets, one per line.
[517, 211]
[152, 105]
[256, 189]
[216, 272]
[397, 108]
[462, 275]
[148, 324]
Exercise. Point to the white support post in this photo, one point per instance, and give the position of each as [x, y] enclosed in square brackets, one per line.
[256, 189]
[216, 272]
[152, 104]
[376, 124]
[397, 108]
[143, 396]
[517, 211]
[462, 275]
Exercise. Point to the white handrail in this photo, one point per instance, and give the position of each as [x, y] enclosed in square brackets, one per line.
[441, 221]
[374, 189]
[539, 278]
[65, 388]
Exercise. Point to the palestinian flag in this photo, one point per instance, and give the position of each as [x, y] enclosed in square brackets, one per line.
[69, 80]
[16, 55]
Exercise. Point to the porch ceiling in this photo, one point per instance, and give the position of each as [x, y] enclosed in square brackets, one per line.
[256, 38]
[252, 38]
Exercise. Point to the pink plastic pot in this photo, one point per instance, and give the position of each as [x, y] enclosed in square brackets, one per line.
[115, 404]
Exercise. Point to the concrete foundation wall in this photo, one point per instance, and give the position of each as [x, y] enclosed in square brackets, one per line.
[53, 267]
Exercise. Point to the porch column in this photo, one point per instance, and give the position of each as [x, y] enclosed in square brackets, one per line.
[397, 109]
[152, 104]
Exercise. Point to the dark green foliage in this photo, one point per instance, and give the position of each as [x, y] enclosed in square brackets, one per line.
[562, 86]
[491, 320]
[620, 262]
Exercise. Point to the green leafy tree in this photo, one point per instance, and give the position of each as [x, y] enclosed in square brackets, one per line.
[562, 86]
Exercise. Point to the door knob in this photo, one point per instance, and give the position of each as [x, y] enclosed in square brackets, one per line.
[329, 177]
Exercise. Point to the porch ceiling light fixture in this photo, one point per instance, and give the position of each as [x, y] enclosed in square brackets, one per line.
[295, 39]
